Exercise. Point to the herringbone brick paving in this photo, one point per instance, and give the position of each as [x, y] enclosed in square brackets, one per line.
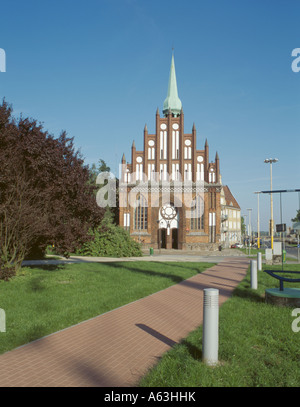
[115, 349]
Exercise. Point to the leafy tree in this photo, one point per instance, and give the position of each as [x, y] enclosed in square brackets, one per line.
[243, 226]
[102, 166]
[94, 171]
[44, 192]
[297, 217]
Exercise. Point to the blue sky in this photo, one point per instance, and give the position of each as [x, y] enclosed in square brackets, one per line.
[99, 69]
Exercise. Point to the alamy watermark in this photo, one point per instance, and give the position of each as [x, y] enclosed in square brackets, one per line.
[296, 61]
[156, 190]
[2, 60]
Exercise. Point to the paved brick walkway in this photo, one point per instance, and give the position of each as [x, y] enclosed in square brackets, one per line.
[115, 349]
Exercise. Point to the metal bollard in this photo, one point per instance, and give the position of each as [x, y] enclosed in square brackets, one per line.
[259, 261]
[210, 339]
[2, 320]
[253, 277]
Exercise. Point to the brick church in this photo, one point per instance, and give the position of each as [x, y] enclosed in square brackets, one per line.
[170, 193]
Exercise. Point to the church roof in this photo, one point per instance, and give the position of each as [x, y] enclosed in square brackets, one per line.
[172, 101]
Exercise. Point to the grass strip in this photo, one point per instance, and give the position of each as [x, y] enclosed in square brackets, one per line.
[257, 346]
[43, 300]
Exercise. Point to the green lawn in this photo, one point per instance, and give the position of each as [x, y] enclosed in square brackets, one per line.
[253, 251]
[46, 299]
[257, 346]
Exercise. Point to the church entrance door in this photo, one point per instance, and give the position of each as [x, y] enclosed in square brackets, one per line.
[174, 238]
[163, 238]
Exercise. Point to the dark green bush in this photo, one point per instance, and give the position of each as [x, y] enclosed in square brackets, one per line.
[110, 240]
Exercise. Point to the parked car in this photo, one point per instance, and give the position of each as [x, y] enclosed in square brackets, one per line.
[237, 246]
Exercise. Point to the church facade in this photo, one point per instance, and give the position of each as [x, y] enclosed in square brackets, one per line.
[170, 192]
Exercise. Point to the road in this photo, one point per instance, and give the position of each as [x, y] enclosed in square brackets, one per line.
[163, 255]
[291, 251]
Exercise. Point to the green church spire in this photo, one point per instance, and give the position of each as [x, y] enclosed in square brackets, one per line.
[172, 100]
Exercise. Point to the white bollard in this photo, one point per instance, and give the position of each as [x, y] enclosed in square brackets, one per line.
[210, 339]
[2, 320]
[253, 269]
[259, 261]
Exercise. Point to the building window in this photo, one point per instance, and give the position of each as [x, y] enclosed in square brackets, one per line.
[175, 145]
[175, 172]
[200, 172]
[151, 172]
[163, 172]
[127, 176]
[151, 153]
[212, 227]
[197, 214]
[163, 145]
[212, 200]
[187, 153]
[212, 177]
[188, 172]
[141, 214]
[139, 172]
[127, 221]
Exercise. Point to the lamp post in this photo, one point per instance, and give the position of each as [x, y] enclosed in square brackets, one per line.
[298, 233]
[258, 226]
[270, 161]
[250, 229]
[245, 224]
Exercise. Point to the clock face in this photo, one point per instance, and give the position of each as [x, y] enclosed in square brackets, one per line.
[199, 159]
[151, 143]
[175, 126]
[188, 142]
[139, 159]
[163, 126]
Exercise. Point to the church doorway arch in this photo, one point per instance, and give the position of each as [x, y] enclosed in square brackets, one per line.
[168, 221]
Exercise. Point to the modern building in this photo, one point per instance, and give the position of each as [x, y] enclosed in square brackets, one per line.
[170, 191]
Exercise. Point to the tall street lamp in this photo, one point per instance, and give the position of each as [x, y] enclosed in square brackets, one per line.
[258, 228]
[250, 228]
[245, 228]
[270, 161]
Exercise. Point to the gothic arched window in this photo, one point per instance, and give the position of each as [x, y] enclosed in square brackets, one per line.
[197, 214]
[141, 213]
